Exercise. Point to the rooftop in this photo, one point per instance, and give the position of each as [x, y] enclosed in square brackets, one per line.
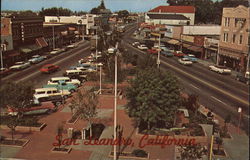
[174, 9]
[167, 16]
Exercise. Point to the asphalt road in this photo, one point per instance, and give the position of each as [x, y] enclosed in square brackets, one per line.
[220, 93]
[63, 60]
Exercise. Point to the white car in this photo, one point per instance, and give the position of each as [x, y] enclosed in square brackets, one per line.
[56, 51]
[185, 61]
[36, 59]
[135, 44]
[220, 69]
[20, 65]
[55, 80]
[143, 47]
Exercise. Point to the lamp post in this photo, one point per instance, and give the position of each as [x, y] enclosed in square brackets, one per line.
[239, 111]
[115, 101]
[158, 57]
[100, 65]
[53, 32]
[3, 48]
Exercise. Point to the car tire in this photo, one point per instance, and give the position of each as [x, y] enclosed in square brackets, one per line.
[237, 78]
[72, 91]
[58, 103]
[65, 97]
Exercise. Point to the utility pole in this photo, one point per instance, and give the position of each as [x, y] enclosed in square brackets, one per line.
[115, 102]
[53, 30]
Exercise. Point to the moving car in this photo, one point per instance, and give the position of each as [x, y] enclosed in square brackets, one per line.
[56, 51]
[152, 51]
[142, 47]
[179, 54]
[20, 65]
[191, 57]
[36, 59]
[245, 78]
[220, 69]
[46, 92]
[185, 61]
[40, 108]
[135, 44]
[4, 72]
[49, 68]
[62, 85]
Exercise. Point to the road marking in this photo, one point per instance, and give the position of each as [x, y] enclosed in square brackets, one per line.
[56, 63]
[208, 84]
[219, 100]
[194, 87]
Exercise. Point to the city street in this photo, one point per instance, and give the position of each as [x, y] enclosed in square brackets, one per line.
[220, 93]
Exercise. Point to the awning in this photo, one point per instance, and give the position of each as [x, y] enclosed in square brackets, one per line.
[173, 41]
[186, 45]
[231, 55]
[155, 34]
[25, 50]
[195, 48]
[41, 42]
[29, 48]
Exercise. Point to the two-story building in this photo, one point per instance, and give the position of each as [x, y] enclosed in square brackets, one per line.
[234, 39]
[171, 15]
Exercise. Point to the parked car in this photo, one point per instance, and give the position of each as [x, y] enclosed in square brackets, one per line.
[40, 108]
[191, 57]
[56, 80]
[152, 51]
[220, 69]
[56, 51]
[46, 92]
[57, 100]
[36, 59]
[142, 47]
[135, 44]
[71, 46]
[179, 54]
[20, 65]
[164, 49]
[185, 61]
[76, 74]
[62, 85]
[245, 78]
[167, 53]
[49, 68]
[4, 72]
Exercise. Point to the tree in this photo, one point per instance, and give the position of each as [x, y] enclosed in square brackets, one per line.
[153, 98]
[86, 103]
[219, 142]
[12, 124]
[226, 121]
[123, 14]
[54, 11]
[192, 152]
[16, 95]
[59, 131]
[94, 11]
[192, 103]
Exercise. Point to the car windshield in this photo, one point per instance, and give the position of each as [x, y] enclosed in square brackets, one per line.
[185, 59]
[19, 62]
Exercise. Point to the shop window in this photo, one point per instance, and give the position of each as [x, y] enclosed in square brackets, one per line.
[234, 38]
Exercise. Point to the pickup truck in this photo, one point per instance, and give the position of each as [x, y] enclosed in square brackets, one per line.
[62, 85]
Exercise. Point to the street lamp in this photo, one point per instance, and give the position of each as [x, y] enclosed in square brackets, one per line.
[239, 111]
[158, 58]
[100, 65]
[3, 48]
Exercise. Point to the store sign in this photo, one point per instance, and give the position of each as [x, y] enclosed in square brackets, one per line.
[187, 38]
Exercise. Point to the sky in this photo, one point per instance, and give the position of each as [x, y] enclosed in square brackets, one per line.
[82, 5]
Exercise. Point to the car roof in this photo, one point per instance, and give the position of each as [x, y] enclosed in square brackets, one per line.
[47, 65]
[45, 89]
[59, 78]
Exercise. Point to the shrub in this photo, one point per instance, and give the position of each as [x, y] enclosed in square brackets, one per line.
[139, 153]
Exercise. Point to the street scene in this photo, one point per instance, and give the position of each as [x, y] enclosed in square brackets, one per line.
[124, 80]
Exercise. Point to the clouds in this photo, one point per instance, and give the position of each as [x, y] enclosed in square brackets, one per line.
[85, 5]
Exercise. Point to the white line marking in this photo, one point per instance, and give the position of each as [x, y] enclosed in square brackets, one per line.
[194, 86]
[219, 100]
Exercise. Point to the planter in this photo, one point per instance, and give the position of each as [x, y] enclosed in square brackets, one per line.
[128, 155]
[18, 142]
[61, 150]
[26, 128]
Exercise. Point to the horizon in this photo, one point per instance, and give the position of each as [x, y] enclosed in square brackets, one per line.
[82, 5]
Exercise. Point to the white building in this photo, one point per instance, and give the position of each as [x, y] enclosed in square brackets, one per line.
[174, 15]
[87, 20]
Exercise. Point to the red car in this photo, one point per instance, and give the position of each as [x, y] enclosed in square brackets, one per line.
[49, 68]
[152, 51]
[179, 54]
[4, 72]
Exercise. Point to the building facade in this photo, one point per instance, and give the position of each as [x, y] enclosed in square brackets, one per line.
[185, 11]
[234, 39]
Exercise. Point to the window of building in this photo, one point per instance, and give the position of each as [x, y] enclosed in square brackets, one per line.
[225, 37]
[234, 38]
[241, 39]
[226, 21]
